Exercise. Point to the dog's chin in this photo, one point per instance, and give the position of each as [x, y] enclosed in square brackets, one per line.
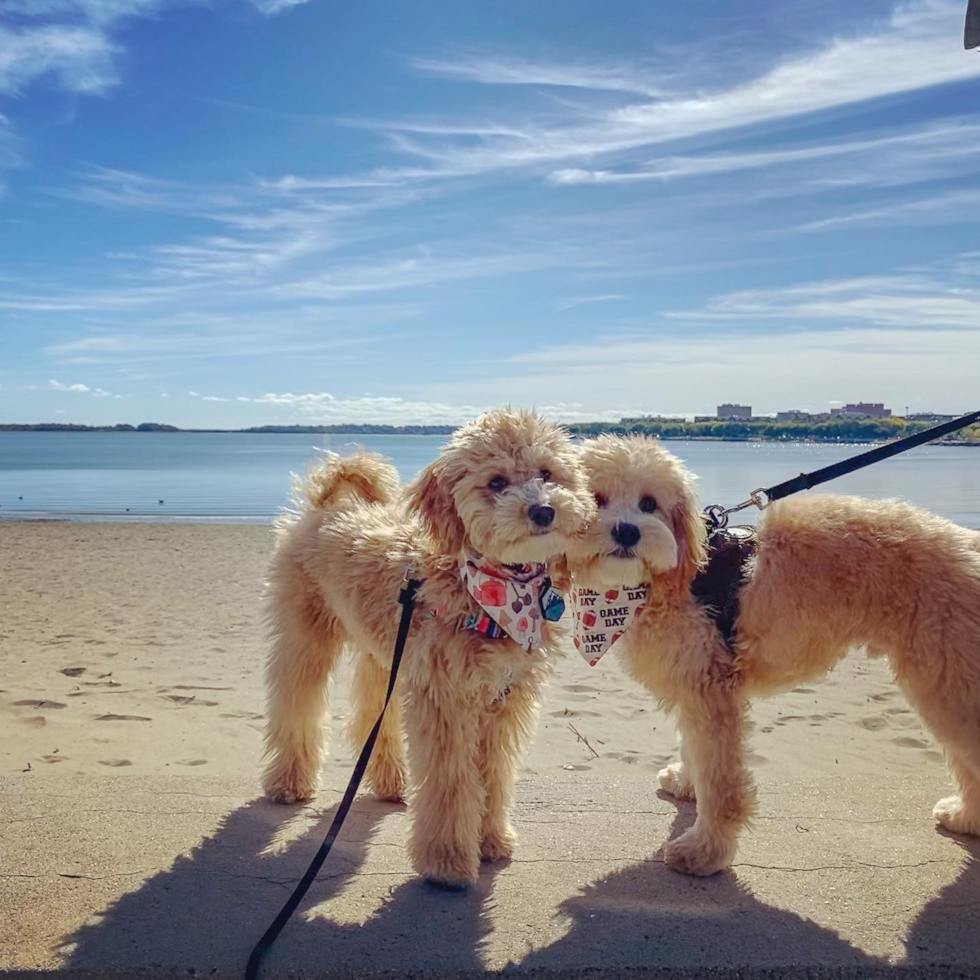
[538, 546]
[611, 570]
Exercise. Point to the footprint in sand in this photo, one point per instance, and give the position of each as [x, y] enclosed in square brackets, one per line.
[874, 723]
[114, 763]
[184, 699]
[254, 716]
[192, 762]
[111, 717]
[30, 703]
[53, 758]
[35, 721]
[73, 671]
[194, 687]
[910, 743]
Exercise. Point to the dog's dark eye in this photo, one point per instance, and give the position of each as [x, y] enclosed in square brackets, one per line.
[601, 500]
[499, 483]
[545, 475]
[647, 504]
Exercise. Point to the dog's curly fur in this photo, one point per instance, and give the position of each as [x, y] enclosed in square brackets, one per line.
[469, 702]
[831, 574]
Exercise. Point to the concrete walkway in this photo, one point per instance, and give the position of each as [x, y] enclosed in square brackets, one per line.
[132, 877]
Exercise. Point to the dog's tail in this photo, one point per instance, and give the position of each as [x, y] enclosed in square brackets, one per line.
[341, 480]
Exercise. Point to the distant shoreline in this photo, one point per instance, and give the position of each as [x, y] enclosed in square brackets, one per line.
[840, 431]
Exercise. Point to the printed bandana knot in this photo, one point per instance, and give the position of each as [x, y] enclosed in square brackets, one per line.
[515, 599]
[601, 618]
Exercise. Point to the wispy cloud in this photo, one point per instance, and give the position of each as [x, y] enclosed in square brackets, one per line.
[78, 59]
[938, 298]
[635, 79]
[945, 208]
[848, 71]
[77, 46]
[920, 152]
[570, 304]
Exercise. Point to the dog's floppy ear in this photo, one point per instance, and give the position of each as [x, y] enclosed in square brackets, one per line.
[431, 499]
[690, 533]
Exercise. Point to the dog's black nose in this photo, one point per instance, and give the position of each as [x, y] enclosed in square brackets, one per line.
[626, 535]
[541, 515]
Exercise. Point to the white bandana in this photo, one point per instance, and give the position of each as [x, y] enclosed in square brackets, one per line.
[601, 618]
[515, 599]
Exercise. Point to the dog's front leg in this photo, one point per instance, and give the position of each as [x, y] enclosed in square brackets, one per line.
[713, 729]
[505, 729]
[446, 802]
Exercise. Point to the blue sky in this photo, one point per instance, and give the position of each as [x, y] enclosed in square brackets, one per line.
[238, 213]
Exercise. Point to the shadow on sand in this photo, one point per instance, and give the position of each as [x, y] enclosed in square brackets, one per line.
[209, 908]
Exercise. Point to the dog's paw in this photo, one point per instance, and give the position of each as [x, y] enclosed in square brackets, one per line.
[674, 780]
[698, 853]
[388, 782]
[445, 866]
[954, 816]
[498, 844]
[288, 787]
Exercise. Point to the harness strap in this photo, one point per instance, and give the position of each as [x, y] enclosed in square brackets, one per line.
[717, 586]
[407, 600]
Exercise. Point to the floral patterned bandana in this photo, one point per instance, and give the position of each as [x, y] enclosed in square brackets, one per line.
[601, 618]
[515, 599]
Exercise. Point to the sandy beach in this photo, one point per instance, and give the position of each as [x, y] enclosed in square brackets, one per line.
[138, 649]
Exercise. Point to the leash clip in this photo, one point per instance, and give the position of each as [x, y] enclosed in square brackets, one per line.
[717, 515]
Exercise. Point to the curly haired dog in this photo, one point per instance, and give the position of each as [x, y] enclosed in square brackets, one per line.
[506, 490]
[831, 573]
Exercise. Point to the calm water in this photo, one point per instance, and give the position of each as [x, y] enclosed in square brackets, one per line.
[246, 477]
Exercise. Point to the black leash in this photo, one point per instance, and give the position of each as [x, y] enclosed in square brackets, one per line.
[407, 600]
[717, 515]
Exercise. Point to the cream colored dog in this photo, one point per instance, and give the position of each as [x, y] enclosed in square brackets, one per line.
[831, 574]
[507, 489]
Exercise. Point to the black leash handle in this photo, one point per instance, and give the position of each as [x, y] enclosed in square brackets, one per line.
[717, 516]
[407, 600]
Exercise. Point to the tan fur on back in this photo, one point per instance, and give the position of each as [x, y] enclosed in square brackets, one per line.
[831, 574]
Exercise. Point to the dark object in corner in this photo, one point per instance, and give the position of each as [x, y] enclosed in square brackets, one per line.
[971, 32]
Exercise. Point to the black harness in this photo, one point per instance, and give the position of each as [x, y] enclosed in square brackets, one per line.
[717, 585]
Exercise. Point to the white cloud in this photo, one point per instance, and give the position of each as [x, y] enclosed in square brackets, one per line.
[490, 71]
[847, 71]
[76, 47]
[325, 408]
[570, 304]
[79, 59]
[59, 386]
[81, 389]
[907, 301]
[921, 152]
[275, 6]
[951, 206]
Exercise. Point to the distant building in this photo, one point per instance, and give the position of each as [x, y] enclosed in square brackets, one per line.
[653, 418]
[928, 417]
[729, 412]
[793, 415]
[862, 410]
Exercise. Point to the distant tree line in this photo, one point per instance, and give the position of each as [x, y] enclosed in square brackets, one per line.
[825, 430]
